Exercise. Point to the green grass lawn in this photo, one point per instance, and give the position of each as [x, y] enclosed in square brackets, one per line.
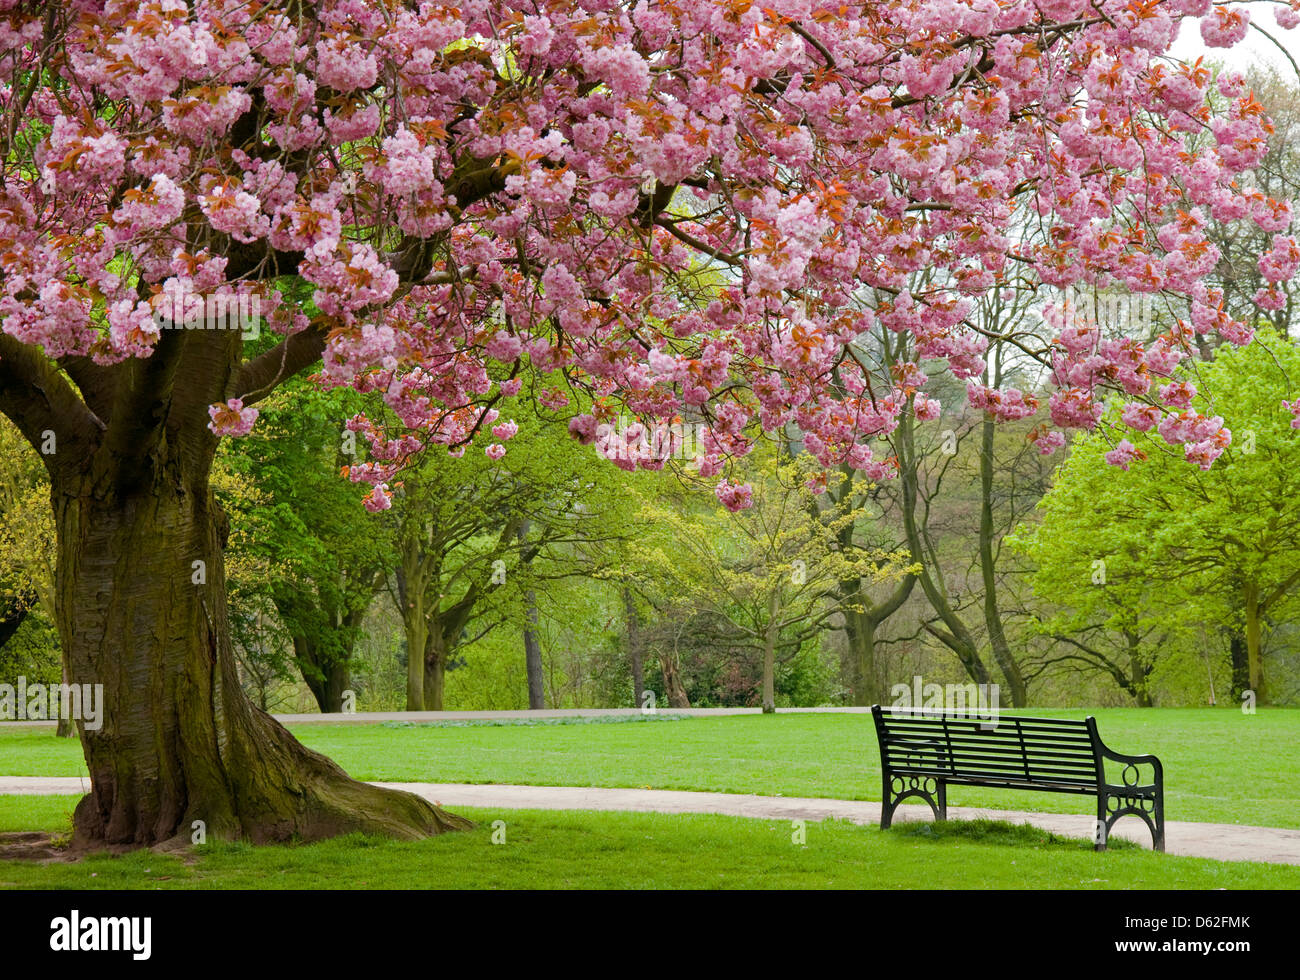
[548, 849]
[1220, 765]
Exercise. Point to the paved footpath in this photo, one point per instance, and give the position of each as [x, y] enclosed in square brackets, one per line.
[1226, 842]
[545, 714]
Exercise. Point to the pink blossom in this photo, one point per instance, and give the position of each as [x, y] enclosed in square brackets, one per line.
[1225, 27]
[231, 418]
[583, 428]
[735, 497]
[1178, 395]
[504, 346]
[378, 499]
[553, 399]
[1123, 454]
[1143, 418]
[495, 451]
[1050, 441]
[926, 408]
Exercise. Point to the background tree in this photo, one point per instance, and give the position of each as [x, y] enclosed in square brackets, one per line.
[763, 574]
[325, 558]
[1178, 545]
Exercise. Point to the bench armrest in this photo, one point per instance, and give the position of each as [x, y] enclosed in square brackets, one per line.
[1134, 760]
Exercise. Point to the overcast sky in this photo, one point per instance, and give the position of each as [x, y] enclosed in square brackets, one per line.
[1255, 49]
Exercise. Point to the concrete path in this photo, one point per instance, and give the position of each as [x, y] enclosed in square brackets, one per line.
[420, 717]
[1225, 842]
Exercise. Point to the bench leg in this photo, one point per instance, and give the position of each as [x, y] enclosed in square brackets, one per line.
[887, 803]
[1102, 831]
[941, 795]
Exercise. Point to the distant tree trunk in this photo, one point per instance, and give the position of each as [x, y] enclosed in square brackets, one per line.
[633, 623]
[957, 637]
[1254, 645]
[410, 593]
[1240, 664]
[770, 636]
[1138, 671]
[860, 631]
[1016, 688]
[66, 728]
[533, 656]
[325, 675]
[673, 685]
[435, 668]
[866, 678]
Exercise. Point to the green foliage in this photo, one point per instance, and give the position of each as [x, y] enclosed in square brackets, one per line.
[307, 559]
[1153, 561]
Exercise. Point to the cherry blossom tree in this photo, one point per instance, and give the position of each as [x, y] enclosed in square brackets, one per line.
[446, 204]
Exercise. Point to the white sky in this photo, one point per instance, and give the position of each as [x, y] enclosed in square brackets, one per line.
[1255, 49]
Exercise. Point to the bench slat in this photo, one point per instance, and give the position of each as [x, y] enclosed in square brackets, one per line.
[959, 760]
[1012, 751]
[988, 729]
[983, 769]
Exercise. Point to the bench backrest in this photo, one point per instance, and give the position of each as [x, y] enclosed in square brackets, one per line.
[1054, 751]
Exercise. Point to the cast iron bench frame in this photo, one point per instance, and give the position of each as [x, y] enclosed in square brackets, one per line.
[922, 752]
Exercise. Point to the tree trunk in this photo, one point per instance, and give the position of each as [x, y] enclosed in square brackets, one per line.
[1254, 646]
[1138, 672]
[180, 742]
[633, 623]
[435, 668]
[860, 630]
[1240, 664]
[325, 676]
[769, 678]
[769, 655]
[410, 593]
[956, 637]
[66, 728]
[1016, 688]
[673, 685]
[533, 657]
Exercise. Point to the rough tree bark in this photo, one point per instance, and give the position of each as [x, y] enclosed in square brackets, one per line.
[66, 727]
[436, 653]
[180, 742]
